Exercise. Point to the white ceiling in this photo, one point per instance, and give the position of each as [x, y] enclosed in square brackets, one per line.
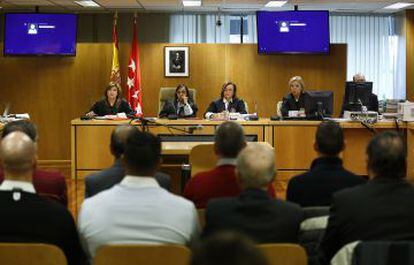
[365, 6]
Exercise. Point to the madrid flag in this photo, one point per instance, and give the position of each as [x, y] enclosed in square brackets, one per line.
[134, 75]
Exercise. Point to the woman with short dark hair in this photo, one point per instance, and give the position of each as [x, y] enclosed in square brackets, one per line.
[111, 104]
[227, 102]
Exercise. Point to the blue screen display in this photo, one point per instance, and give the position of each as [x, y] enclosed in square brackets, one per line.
[293, 32]
[40, 34]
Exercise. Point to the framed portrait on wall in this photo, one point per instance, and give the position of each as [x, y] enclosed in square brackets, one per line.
[176, 61]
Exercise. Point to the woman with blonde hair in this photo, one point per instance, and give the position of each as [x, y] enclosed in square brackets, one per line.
[297, 98]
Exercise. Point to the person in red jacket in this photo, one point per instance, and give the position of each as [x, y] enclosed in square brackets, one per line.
[48, 184]
[220, 181]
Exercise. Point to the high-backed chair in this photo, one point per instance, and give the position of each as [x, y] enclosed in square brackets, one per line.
[277, 254]
[202, 157]
[168, 93]
[31, 254]
[142, 254]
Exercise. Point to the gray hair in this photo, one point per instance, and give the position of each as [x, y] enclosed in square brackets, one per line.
[256, 165]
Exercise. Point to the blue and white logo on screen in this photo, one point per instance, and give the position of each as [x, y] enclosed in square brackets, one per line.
[32, 29]
[284, 26]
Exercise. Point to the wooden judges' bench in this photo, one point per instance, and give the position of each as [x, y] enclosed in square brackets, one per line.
[292, 140]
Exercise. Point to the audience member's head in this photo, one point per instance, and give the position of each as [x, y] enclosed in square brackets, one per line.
[329, 139]
[387, 156]
[227, 248]
[18, 155]
[118, 139]
[142, 153]
[229, 140]
[256, 166]
[24, 126]
[359, 78]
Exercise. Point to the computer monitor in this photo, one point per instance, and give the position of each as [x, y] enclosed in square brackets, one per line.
[357, 94]
[319, 105]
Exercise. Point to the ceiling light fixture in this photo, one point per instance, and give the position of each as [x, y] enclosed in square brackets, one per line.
[275, 3]
[87, 3]
[398, 5]
[191, 2]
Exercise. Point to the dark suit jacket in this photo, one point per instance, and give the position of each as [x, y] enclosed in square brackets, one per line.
[217, 106]
[171, 107]
[48, 184]
[34, 219]
[316, 187]
[254, 213]
[216, 183]
[289, 103]
[382, 209]
[102, 108]
[107, 178]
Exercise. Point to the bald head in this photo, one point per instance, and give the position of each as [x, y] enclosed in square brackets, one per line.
[18, 155]
[118, 139]
[256, 165]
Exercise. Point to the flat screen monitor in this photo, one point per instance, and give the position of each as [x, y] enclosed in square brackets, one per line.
[40, 34]
[293, 32]
[356, 95]
[320, 104]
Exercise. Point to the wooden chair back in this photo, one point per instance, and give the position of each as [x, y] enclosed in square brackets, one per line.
[277, 254]
[142, 255]
[31, 254]
[202, 158]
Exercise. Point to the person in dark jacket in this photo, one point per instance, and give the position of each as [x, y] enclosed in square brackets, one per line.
[373, 99]
[26, 216]
[326, 175]
[227, 102]
[297, 99]
[254, 212]
[111, 104]
[182, 106]
[378, 210]
[109, 177]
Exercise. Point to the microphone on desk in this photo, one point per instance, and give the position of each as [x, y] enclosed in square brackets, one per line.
[369, 127]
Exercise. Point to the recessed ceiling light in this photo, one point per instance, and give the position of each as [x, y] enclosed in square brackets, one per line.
[398, 5]
[87, 3]
[191, 2]
[275, 3]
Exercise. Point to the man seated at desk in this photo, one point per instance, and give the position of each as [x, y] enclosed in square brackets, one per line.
[371, 105]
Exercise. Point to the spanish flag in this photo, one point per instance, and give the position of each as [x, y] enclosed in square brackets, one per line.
[115, 77]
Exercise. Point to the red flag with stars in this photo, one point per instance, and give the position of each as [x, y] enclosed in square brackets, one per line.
[134, 76]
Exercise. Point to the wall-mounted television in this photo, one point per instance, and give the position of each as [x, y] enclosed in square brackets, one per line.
[40, 34]
[293, 32]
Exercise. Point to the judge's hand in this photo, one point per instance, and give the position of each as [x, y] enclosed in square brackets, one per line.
[184, 99]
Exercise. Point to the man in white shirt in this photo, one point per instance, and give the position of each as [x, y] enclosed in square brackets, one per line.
[137, 210]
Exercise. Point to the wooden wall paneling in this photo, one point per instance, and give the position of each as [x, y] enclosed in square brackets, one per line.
[286, 138]
[92, 144]
[250, 72]
[54, 90]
